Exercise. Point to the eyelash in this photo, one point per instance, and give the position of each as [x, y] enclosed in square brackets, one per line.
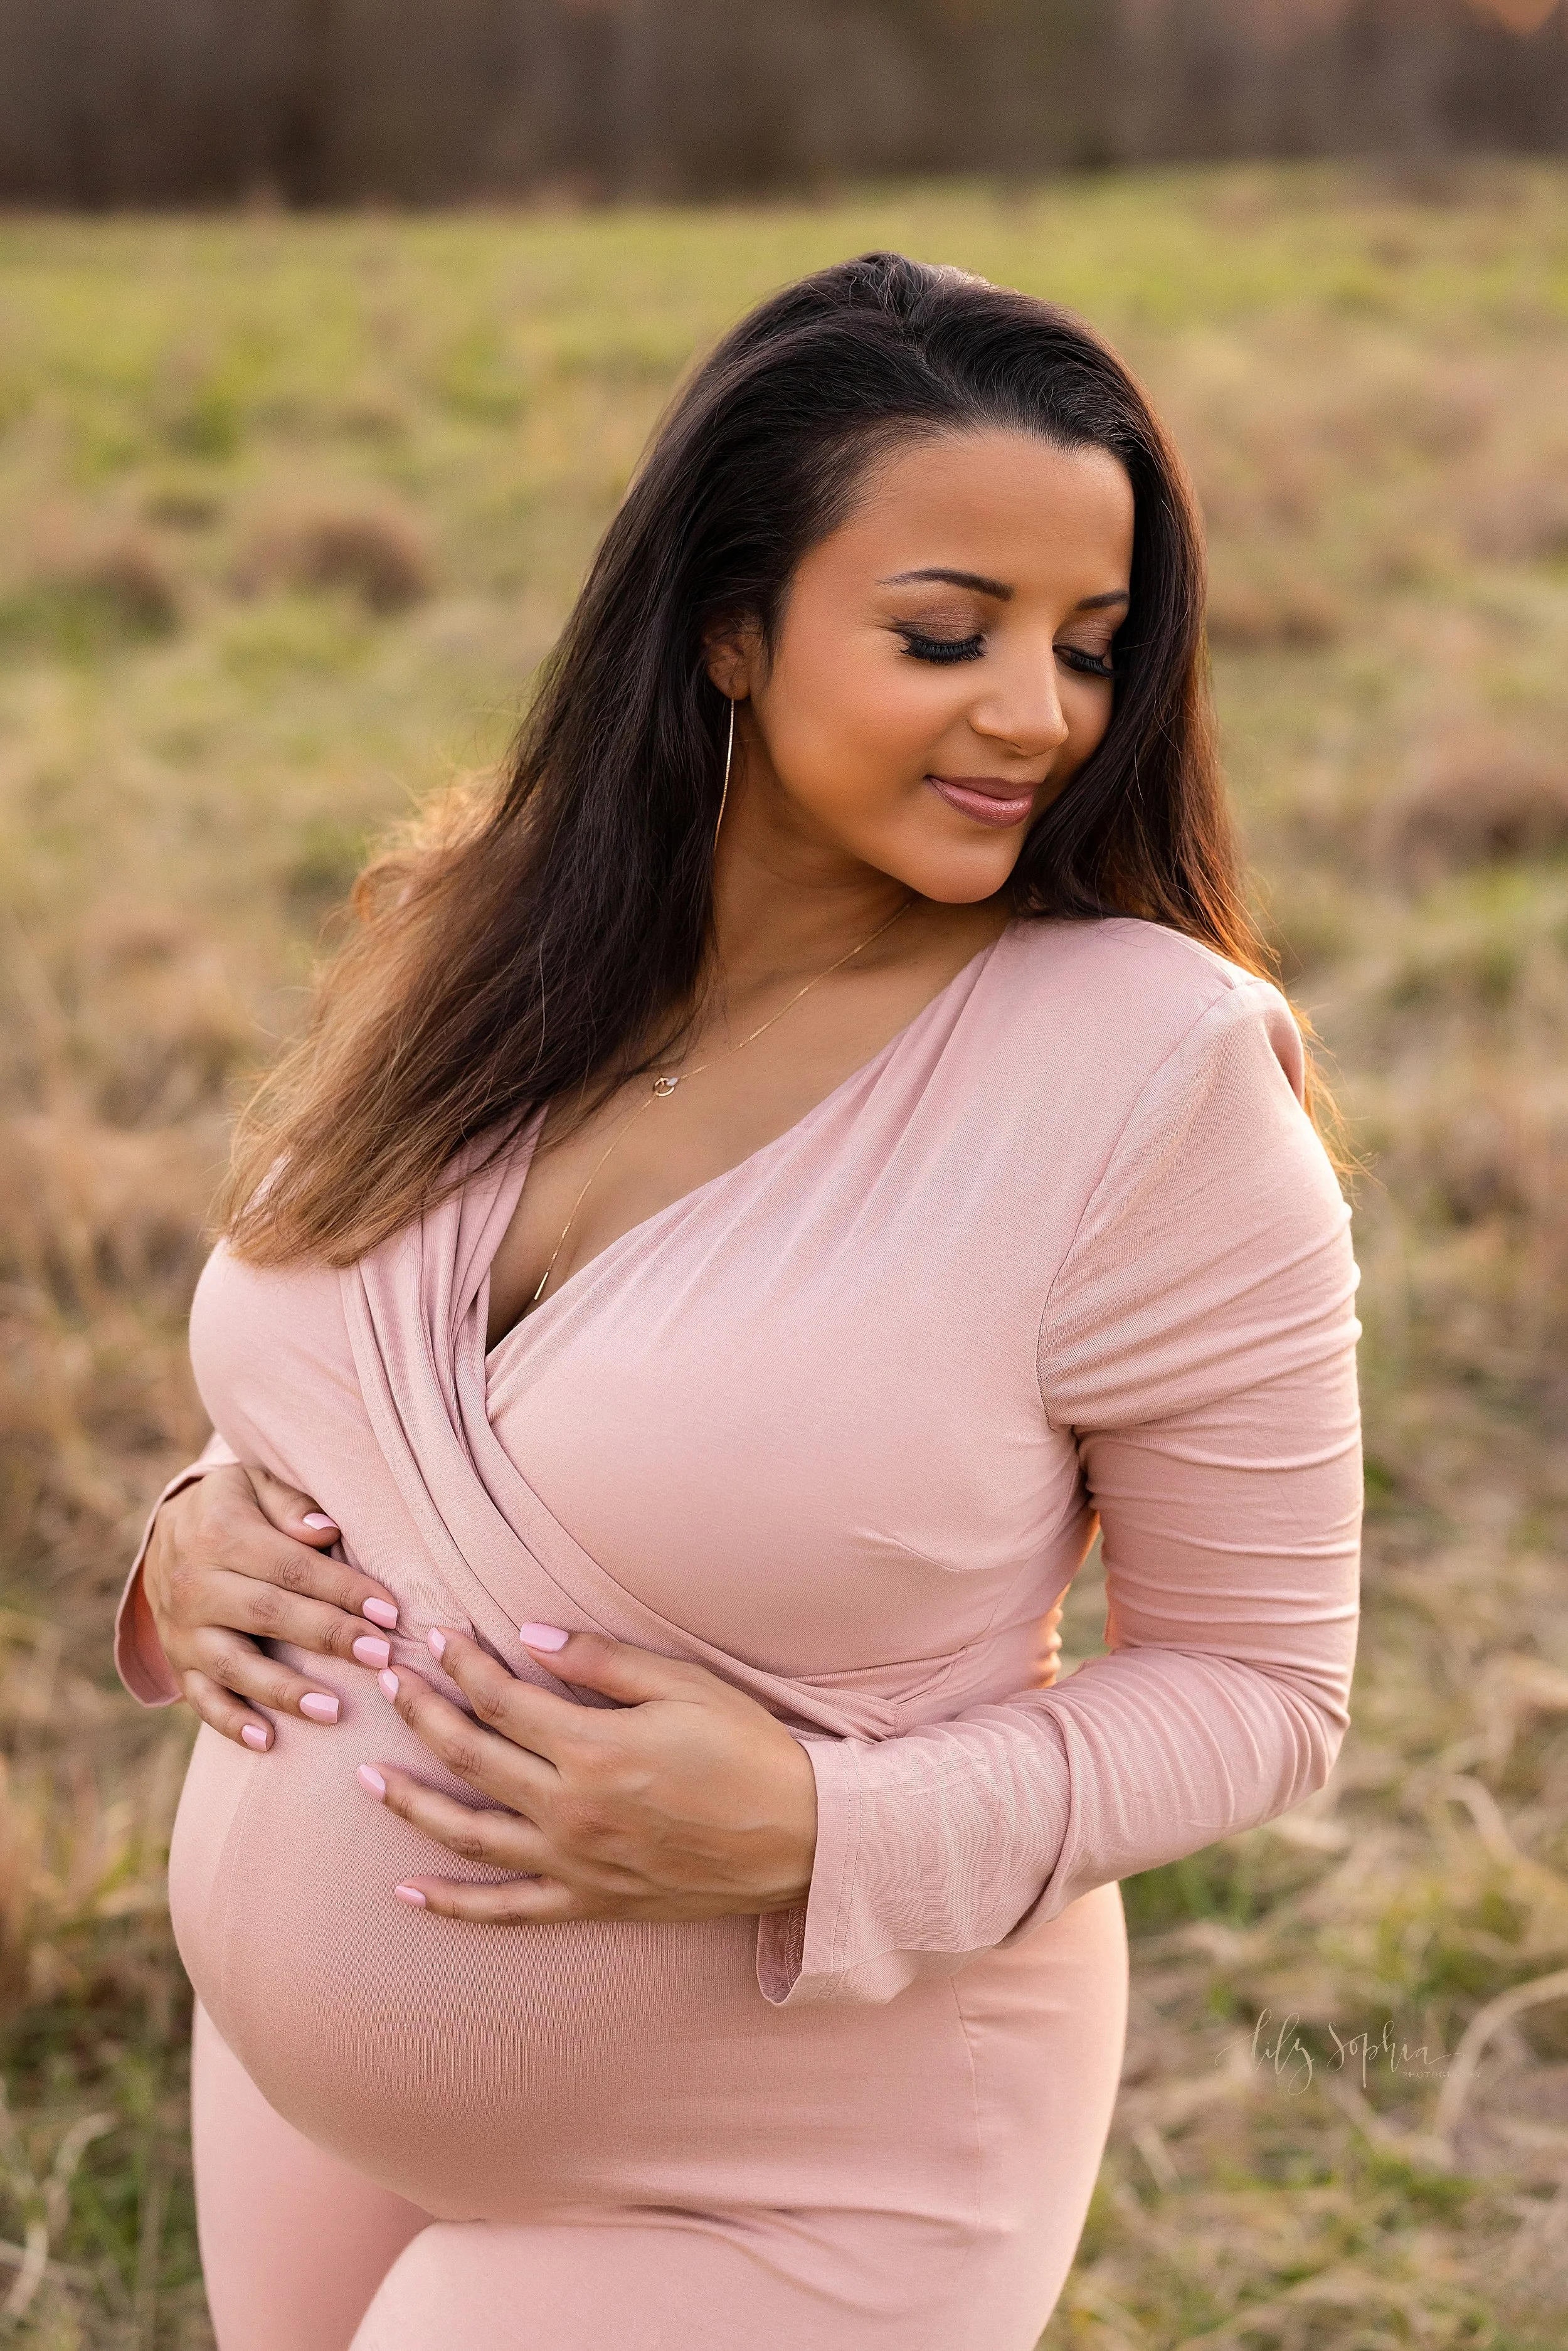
[941, 649]
[1089, 665]
[961, 649]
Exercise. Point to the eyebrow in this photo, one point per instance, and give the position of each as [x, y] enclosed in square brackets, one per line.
[974, 579]
[999, 588]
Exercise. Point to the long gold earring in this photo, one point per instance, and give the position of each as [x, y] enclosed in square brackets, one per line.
[728, 756]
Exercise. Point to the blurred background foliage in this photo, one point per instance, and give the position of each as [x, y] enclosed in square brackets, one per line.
[289, 510]
[109, 102]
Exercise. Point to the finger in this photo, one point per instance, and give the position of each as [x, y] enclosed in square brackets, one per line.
[292, 1512]
[614, 1668]
[532, 1719]
[236, 1665]
[502, 1841]
[492, 1763]
[294, 1567]
[232, 1530]
[514, 1902]
[247, 1604]
[225, 1714]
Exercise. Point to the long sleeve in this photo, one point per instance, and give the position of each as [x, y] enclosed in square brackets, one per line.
[1198, 1345]
[139, 1658]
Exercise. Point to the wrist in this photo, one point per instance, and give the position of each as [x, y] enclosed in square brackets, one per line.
[142, 1660]
[801, 1851]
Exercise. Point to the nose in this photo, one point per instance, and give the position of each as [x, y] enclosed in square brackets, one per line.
[1022, 709]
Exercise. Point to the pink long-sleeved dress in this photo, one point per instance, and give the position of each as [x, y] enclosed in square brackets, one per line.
[837, 1425]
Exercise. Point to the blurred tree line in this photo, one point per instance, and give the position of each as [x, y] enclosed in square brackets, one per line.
[108, 102]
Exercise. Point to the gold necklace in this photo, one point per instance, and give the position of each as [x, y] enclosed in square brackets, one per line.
[664, 1084]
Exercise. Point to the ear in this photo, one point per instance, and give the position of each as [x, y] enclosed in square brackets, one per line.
[733, 653]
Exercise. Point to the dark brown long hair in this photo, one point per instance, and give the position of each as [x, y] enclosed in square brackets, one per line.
[531, 942]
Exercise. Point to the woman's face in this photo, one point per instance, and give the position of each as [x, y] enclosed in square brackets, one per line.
[943, 664]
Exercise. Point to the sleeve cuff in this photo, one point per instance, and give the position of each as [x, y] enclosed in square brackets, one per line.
[931, 1847]
[803, 1954]
[139, 1658]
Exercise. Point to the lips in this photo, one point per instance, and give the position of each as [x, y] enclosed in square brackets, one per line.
[988, 800]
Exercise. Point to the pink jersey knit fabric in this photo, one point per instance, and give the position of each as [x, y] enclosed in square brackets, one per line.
[837, 1425]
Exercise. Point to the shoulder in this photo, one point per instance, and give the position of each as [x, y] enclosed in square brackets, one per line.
[1120, 997]
[1212, 1251]
[264, 1338]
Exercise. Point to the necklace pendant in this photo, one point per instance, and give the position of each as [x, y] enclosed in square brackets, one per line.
[663, 1088]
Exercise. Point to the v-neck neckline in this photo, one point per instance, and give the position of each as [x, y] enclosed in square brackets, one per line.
[518, 1169]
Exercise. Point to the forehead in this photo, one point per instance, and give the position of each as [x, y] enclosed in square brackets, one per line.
[1009, 505]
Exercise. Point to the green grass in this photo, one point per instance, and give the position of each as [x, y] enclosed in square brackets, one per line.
[203, 719]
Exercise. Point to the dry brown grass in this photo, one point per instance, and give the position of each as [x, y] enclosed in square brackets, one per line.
[1478, 802]
[90, 587]
[376, 553]
[1371, 391]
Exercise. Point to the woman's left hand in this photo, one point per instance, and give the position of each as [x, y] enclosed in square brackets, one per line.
[687, 1799]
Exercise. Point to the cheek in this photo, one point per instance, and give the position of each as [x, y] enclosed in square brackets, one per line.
[834, 722]
[1087, 709]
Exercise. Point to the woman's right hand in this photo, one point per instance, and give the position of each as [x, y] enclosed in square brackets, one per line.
[235, 1558]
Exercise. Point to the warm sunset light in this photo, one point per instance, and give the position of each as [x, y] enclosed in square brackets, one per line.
[1519, 16]
[783, 1175]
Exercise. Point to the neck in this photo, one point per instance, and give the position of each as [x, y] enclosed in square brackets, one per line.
[766, 922]
[786, 897]
[790, 898]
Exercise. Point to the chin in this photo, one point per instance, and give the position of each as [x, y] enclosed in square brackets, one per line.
[961, 881]
[956, 894]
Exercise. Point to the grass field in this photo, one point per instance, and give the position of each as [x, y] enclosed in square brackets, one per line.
[288, 510]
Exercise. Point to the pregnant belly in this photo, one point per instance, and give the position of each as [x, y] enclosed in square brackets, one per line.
[498, 2071]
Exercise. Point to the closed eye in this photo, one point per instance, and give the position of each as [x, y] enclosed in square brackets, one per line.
[941, 649]
[920, 647]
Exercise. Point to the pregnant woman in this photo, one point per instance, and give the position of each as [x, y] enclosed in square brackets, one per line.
[756, 1195]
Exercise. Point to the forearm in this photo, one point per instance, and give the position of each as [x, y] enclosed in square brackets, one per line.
[1231, 1547]
[948, 1842]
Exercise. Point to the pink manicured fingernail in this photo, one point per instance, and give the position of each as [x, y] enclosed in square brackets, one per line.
[370, 1650]
[370, 1778]
[319, 1706]
[320, 1520]
[435, 1641]
[389, 1685]
[380, 1611]
[253, 1736]
[542, 1636]
[410, 1894]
